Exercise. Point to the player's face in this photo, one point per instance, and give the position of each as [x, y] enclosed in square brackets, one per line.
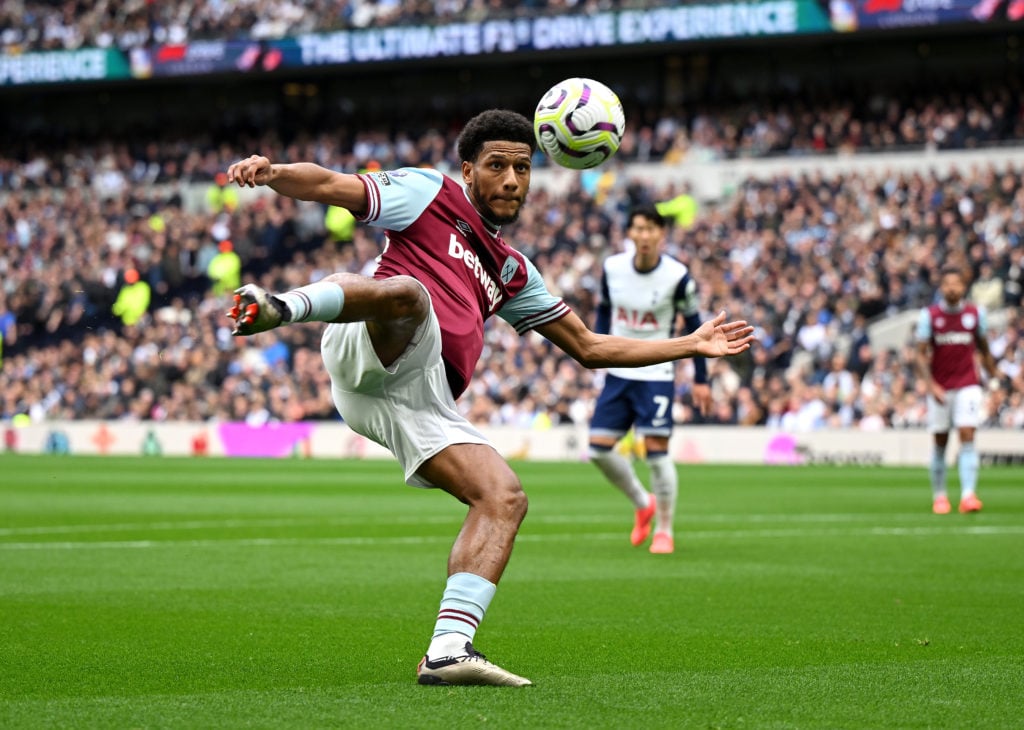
[498, 180]
[648, 237]
[952, 288]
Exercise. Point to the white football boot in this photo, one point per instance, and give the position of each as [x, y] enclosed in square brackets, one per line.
[471, 667]
[255, 310]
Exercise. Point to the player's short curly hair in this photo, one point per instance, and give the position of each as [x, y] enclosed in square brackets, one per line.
[494, 125]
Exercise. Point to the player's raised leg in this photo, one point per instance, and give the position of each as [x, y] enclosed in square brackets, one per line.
[392, 308]
[477, 476]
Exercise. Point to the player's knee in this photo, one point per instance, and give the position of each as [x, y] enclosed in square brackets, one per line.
[508, 500]
[341, 278]
[405, 298]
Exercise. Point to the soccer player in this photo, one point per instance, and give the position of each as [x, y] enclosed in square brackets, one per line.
[644, 294]
[402, 345]
[949, 333]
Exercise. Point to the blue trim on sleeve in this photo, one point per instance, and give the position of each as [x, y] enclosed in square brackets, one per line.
[397, 198]
[534, 304]
[923, 331]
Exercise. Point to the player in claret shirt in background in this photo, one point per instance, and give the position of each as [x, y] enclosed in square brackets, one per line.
[949, 334]
[403, 344]
[644, 294]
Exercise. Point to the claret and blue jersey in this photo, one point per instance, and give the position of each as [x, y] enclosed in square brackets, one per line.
[953, 335]
[436, 235]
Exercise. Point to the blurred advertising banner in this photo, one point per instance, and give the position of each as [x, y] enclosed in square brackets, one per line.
[335, 440]
[204, 57]
[852, 15]
[561, 32]
[50, 67]
[677, 24]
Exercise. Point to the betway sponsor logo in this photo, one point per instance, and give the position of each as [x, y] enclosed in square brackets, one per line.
[954, 338]
[458, 250]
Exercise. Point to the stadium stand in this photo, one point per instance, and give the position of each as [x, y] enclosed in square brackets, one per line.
[850, 250]
[960, 118]
[41, 26]
[814, 261]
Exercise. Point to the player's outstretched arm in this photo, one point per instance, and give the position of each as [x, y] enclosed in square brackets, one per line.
[988, 360]
[302, 180]
[714, 338]
[718, 338]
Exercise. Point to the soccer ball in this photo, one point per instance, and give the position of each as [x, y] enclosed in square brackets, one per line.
[579, 123]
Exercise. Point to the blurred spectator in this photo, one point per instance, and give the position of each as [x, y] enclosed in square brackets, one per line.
[133, 298]
[221, 197]
[987, 289]
[340, 224]
[681, 208]
[8, 323]
[224, 270]
[810, 260]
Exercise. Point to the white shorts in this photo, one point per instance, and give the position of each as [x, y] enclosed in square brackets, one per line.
[406, 407]
[962, 409]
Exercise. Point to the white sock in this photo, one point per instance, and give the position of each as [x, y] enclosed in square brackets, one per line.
[319, 302]
[463, 605]
[620, 473]
[451, 644]
[937, 472]
[968, 462]
[665, 485]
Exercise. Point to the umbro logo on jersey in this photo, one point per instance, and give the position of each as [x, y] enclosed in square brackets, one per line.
[466, 229]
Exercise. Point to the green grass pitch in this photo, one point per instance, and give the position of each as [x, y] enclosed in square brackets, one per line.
[174, 593]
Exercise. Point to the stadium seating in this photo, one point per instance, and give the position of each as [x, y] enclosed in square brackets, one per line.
[851, 250]
[813, 261]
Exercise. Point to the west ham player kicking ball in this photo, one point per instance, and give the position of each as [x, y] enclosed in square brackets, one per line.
[948, 334]
[643, 295]
[403, 344]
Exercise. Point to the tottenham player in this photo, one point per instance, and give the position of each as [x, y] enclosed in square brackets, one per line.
[644, 295]
[403, 344]
[949, 333]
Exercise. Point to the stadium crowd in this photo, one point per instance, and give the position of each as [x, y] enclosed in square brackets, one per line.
[835, 122]
[68, 24]
[117, 253]
[810, 260]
